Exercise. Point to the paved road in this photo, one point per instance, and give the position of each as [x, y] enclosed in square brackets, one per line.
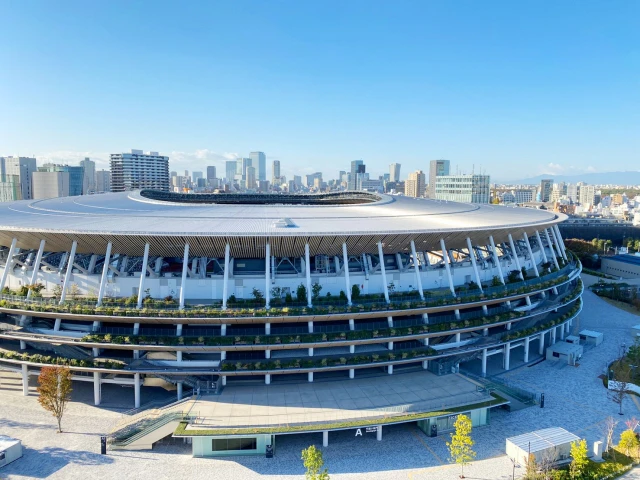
[576, 400]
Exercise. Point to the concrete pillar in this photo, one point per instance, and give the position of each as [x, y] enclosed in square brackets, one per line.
[183, 282]
[267, 329]
[390, 322]
[136, 385]
[352, 324]
[507, 356]
[383, 271]
[541, 346]
[553, 254]
[472, 255]
[225, 282]
[568, 327]
[514, 252]
[390, 345]
[561, 241]
[95, 352]
[456, 312]
[57, 324]
[533, 260]
[445, 259]
[96, 326]
[310, 327]
[425, 364]
[9, 264]
[25, 380]
[484, 362]
[325, 438]
[267, 354]
[379, 433]
[352, 373]
[352, 349]
[416, 267]
[223, 355]
[526, 349]
[143, 275]
[347, 281]
[310, 352]
[307, 268]
[310, 376]
[224, 381]
[179, 356]
[496, 260]
[509, 326]
[267, 280]
[553, 336]
[561, 328]
[425, 318]
[389, 369]
[223, 330]
[267, 379]
[103, 278]
[96, 388]
[136, 328]
[541, 246]
[485, 332]
[179, 330]
[23, 345]
[36, 267]
[556, 237]
[67, 275]
[179, 390]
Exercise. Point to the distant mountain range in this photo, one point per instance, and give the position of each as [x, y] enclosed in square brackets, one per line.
[606, 178]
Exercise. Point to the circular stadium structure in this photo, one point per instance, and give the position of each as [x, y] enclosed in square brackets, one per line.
[209, 291]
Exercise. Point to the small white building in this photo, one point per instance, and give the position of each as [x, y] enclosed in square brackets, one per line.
[549, 443]
[591, 337]
[572, 339]
[10, 450]
[568, 352]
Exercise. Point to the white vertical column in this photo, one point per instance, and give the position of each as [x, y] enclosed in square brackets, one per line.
[472, 254]
[143, 275]
[96, 388]
[25, 380]
[496, 260]
[8, 264]
[484, 362]
[307, 267]
[67, 275]
[553, 335]
[345, 259]
[414, 255]
[325, 438]
[103, 278]
[541, 246]
[36, 267]
[514, 252]
[384, 272]
[541, 346]
[225, 282]
[526, 349]
[557, 242]
[267, 271]
[507, 356]
[183, 282]
[179, 390]
[379, 433]
[445, 258]
[564, 249]
[533, 260]
[136, 389]
[553, 254]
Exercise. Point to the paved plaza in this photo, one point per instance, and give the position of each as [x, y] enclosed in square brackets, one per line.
[575, 400]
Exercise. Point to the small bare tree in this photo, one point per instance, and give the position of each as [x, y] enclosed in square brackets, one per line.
[547, 463]
[618, 387]
[609, 428]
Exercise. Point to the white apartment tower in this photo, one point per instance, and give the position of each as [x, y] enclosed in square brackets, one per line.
[89, 178]
[275, 175]
[414, 185]
[138, 170]
[394, 172]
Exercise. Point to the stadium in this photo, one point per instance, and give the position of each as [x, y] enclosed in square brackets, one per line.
[277, 314]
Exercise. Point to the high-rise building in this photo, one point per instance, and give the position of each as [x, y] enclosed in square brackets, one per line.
[51, 183]
[311, 178]
[546, 187]
[211, 174]
[437, 168]
[275, 174]
[21, 167]
[394, 172]
[195, 176]
[138, 170]
[259, 162]
[587, 195]
[558, 191]
[357, 167]
[241, 170]
[230, 170]
[414, 186]
[573, 192]
[103, 181]
[297, 180]
[250, 177]
[463, 188]
[10, 189]
[89, 179]
[73, 186]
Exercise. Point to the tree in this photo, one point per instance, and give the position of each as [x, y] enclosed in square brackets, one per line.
[301, 293]
[355, 291]
[257, 294]
[313, 462]
[579, 461]
[55, 391]
[74, 291]
[57, 291]
[531, 472]
[609, 427]
[461, 443]
[618, 386]
[547, 463]
[316, 288]
[628, 441]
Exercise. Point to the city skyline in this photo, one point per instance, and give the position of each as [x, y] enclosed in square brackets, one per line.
[477, 85]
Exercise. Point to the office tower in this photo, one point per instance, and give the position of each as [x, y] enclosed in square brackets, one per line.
[357, 166]
[195, 176]
[186, 173]
[250, 174]
[174, 173]
[138, 170]
[259, 162]
[200, 182]
[275, 174]
[546, 187]
[310, 179]
[230, 170]
[22, 168]
[394, 172]
[89, 179]
[73, 186]
[587, 195]
[103, 181]
[463, 188]
[211, 174]
[573, 192]
[558, 191]
[437, 168]
[414, 186]
[50, 184]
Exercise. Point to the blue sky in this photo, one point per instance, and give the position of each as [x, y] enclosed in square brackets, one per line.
[517, 88]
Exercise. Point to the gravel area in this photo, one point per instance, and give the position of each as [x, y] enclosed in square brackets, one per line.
[575, 400]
